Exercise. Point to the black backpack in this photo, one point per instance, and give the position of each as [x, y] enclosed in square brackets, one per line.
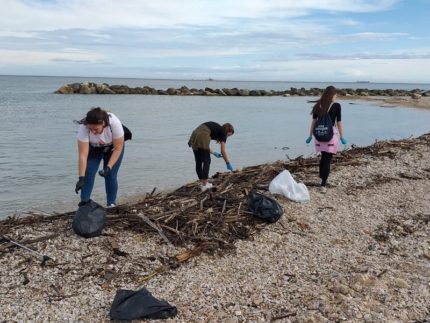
[263, 207]
[127, 133]
[323, 130]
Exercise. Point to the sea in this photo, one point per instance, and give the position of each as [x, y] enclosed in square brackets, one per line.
[38, 156]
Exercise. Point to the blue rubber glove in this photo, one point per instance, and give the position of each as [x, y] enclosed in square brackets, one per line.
[309, 139]
[343, 140]
[229, 167]
[105, 171]
[217, 154]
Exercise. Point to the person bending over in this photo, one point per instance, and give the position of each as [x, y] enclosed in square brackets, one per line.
[200, 142]
[100, 137]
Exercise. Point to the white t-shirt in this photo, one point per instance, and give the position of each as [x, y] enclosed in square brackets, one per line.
[114, 131]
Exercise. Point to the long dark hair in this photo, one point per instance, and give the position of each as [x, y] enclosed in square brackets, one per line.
[96, 116]
[321, 106]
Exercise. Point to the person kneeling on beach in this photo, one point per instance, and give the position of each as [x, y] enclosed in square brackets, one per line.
[199, 142]
[327, 105]
[100, 136]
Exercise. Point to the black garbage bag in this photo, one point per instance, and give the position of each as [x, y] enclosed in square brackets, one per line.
[133, 305]
[263, 207]
[89, 219]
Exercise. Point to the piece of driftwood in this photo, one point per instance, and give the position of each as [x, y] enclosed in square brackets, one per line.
[154, 226]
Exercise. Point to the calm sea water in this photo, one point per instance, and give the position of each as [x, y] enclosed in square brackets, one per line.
[38, 158]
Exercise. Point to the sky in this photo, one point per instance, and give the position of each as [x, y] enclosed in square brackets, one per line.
[255, 40]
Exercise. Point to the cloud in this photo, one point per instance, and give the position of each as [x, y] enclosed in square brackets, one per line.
[20, 57]
[18, 34]
[376, 70]
[253, 39]
[20, 15]
[372, 36]
[365, 56]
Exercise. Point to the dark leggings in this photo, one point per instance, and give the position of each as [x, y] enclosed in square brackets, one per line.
[325, 166]
[203, 162]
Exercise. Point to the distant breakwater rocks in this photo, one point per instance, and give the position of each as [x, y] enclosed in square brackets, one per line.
[94, 88]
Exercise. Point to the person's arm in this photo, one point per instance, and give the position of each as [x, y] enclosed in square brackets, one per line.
[83, 148]
[340, 128]
[311, 130]
[118, 144]
[224, 152]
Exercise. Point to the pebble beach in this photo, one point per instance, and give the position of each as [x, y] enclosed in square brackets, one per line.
[359, 253]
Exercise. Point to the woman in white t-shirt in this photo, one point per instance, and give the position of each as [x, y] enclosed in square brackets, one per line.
[100, 137]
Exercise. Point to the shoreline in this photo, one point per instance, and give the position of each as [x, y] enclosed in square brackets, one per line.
[392, 102]
[380, 101]
[361, 252]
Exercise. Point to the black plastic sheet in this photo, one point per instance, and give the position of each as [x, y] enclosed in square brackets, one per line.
[133, 305]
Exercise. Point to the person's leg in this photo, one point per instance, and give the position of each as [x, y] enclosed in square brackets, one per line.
[111, 181]
[93, 163]
[199, 163]
[325, 167]
[206, 157]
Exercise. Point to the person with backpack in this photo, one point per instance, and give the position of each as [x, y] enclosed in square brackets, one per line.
[100, 137]
[326, 126]
[199, 142]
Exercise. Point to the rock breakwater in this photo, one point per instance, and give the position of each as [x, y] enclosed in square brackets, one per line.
[103, 88]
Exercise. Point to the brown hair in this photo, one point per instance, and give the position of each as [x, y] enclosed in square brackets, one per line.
[228, 128]
[321, 106]
[97, 116]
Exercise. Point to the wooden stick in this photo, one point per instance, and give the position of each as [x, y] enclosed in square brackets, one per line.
[154, 226]
[223, 207]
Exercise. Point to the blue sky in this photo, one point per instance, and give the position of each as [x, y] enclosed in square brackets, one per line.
[282, 40]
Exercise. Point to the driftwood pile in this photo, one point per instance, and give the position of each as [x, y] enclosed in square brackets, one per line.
[212, 221]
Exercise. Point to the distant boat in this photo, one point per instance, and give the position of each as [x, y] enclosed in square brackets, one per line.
[362, 81]
[210, 79]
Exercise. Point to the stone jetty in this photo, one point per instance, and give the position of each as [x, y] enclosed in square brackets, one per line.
[103, 88]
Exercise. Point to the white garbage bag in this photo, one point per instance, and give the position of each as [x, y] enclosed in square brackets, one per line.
[285, 184]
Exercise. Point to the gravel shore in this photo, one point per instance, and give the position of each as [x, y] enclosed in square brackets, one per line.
[387, 102]
[359, 253]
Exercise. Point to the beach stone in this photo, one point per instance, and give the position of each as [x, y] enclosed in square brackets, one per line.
[65, 90]
[171, 91]
[107, 90]
[401, 283]
[426, 253]
[100, 88]
[363, 280]
[342, 289]
[257, 301]
[86, 89]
